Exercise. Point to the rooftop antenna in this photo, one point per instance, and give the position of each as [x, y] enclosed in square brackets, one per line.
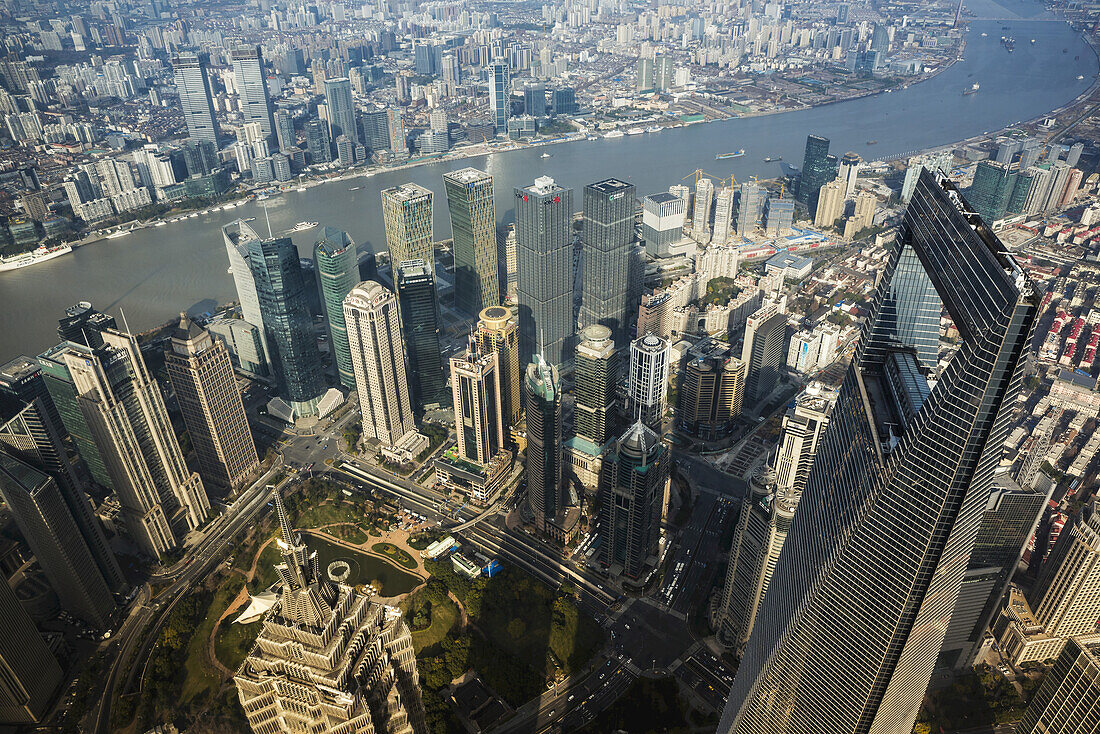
[124, 322]
[268, 218]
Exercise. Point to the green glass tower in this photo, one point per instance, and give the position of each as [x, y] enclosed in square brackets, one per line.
[992, 189]
[473, 227]
[337, 268]
[420, 323]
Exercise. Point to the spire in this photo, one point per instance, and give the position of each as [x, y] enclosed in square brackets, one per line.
[289, 536]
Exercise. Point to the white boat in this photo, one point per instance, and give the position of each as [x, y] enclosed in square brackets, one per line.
[1080, 77]
[653, 129]
[614, 134]
[192, 215]
[544, 155]
[301, 189]
[635, 131]
[591, 137]
[300, 226]
[120, 233]
[42, 254]
[161, 223]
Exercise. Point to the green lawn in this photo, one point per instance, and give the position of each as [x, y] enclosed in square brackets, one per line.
[348, 533]
[200, 677]
[444, 615]
[233, 641]
[398, 555]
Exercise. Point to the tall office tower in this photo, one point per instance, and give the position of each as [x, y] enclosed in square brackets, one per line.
[248, 73]
[662, 223]
[648, 379]
[341, 109]
[475, 389]
[328, 658]
[830, 205]
[751, 207]
[723, 215]
[631, 513]
[284, 302]
[595, 374]
[31, 672]
[764, 351]
[711, 396]
[161, 501]
[318, 141]
[700, 210]
[395, 128]
[607, 236]
[900, 482]
[544, 272]
[474, 230]
[378, 354]
[194, 89]
[236, 236]
[1010, 519]
[1041, 437]
[848, 172]
[421, 322]
[407, 213]
[336, 265]
[534, 99]
[498, 95]
[545, 480]
[817, 170]
[213, 412]
[284, 130]
[36, 502]
[992, 188]
[1068, 701]
[803, 427]
[497, 334]
[758, 540]
[1059, 177]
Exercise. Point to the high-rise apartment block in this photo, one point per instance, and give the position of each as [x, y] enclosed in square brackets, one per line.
[336, 266]
[544, 271]
[328, 657]
[607, 237]
[378, 357]
[901, 479]
[407, 213]
[161, 500]
[647, 385]
[421, 321]
[206, 390]
[631, 512]
[497, 334]
[474, 230]
[830, 205]
[194, 89]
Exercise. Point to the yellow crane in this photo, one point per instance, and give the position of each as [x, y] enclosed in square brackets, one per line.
[698, 173]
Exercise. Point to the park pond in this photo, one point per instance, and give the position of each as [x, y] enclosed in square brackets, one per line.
[363, 568]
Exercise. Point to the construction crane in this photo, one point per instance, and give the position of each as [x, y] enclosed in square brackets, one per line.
[698, 173]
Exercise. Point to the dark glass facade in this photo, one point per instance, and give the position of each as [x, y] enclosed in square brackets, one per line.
[818, 169]
[544, 442]
[337, 271]
[420, 321]
[607, 238]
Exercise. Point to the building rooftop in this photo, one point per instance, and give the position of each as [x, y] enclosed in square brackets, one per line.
[17, 369]
[609, 186]
[467, 175]
[406, 192]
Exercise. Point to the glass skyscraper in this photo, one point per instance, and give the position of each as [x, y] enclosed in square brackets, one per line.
[607, 238]
[498, 95]
[407, 214]
[474, 229]
[341, 109]
[818, 169]
[542, 387]
[849, 632]
[420, 322]
[337, 268]
[544, 271]
[284, 304]
[194, 89]
[248, 71]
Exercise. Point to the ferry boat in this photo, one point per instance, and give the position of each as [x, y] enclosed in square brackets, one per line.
[653, 129]
[635, 131]
[734, 154]
[300, 226]
[161, 223]
[614, 134]
[544, 155]
[973, 89]
[355, 188]
[773, 159]
[872, 142]
[192, 215]
[42, 254]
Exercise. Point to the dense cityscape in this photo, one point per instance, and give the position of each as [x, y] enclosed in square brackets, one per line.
[519, 384]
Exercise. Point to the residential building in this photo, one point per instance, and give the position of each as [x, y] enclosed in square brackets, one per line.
[420, 320]
[700, 210]
[336, 265]
[378, 358]
[607, 236]
[206, 390]
[848, 172]
[648, 379]
[407, 214]
[631, 512]
[474, 232]
[830, 205]
[897, 465]
[498, 95]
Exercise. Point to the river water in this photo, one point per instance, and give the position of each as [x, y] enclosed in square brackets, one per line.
[157, 272]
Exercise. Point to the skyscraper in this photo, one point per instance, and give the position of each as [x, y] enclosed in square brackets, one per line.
[497, 334]
[818, 169]
[251, 80]
[341, 109]
[284, 304]
[900, 482]
[284, 130]
[44, 520]
[544, 271]
[474, 230]
[803, 427]
[206, 390]
[662, 223]
[545, 486]
[407, 214]
[631, 513]
[475, 388]
[830, 204]
[31, 672]
[318, 141]
[723, 215]
[992, 188]
[421, 323]
[764, 351]
[648, 379]
[595, 374]
[336, 264]
[848, 172]
[751, 207]
[82, 324]
[700, 210]
[606, 238]
[378, 356]
[236, 236]
[710, 396]
[1068, 701]
[161, 500]
[194, 89]
[328, 658]
[498, 95]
